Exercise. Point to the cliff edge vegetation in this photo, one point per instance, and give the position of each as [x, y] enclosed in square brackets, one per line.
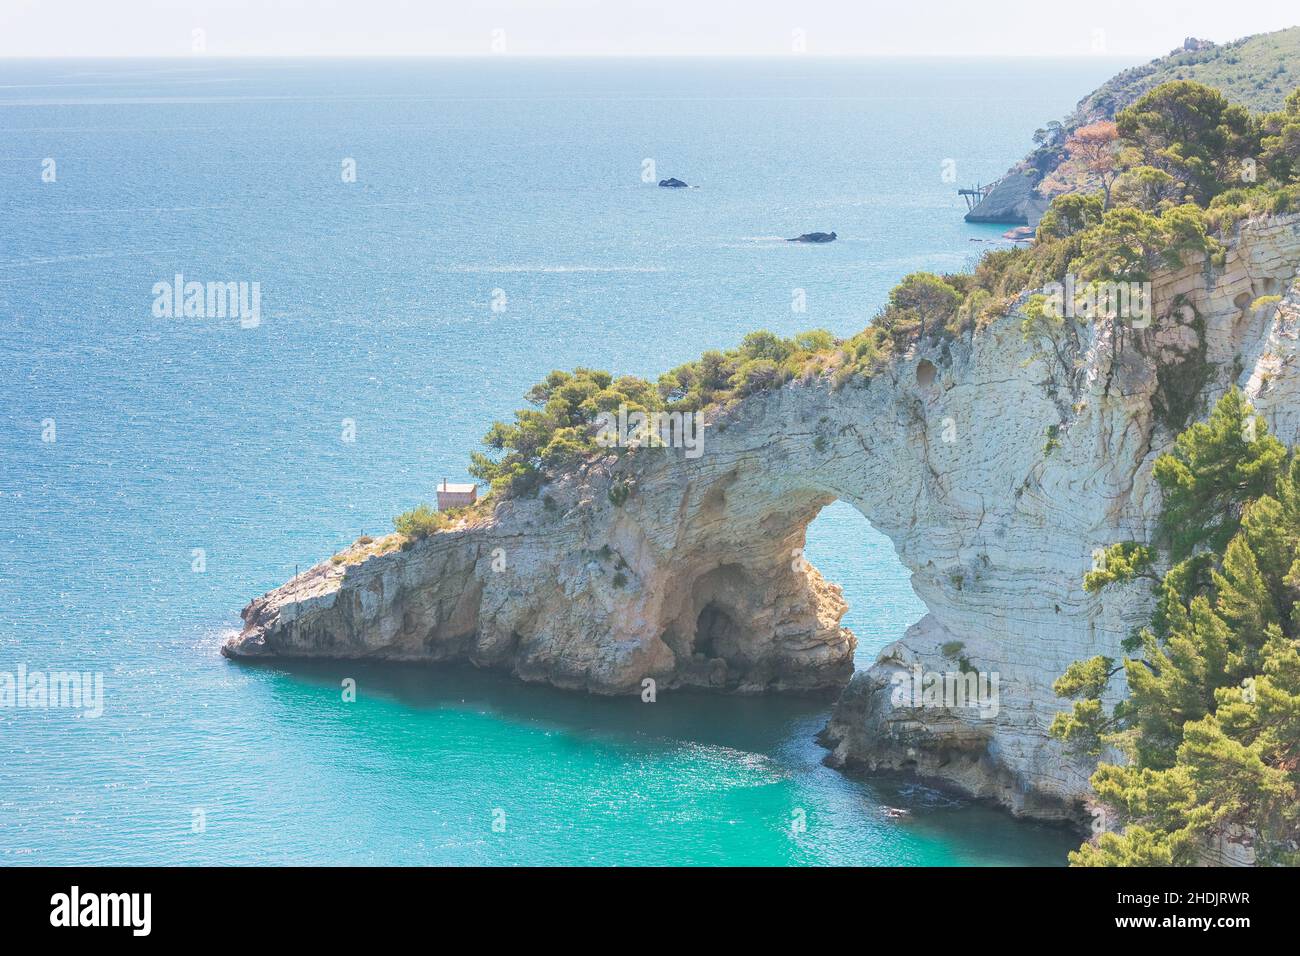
[1171, 178]
[1210, 730]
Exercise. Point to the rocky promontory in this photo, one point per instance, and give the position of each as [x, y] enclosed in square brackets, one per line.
[1246, 71]
[995, 464]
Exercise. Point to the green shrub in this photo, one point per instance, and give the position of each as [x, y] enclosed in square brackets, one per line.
[618, 493]
[1053, 439]
[420, 522]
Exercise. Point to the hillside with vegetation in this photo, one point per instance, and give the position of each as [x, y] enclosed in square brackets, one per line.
[1255, 73]
[1167, 185]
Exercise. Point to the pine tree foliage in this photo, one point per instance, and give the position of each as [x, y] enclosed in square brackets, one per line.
[1211, 726]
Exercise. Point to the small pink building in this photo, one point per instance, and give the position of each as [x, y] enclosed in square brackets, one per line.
[456, 496]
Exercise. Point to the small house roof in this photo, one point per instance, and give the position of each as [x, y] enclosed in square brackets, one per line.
[456, 489]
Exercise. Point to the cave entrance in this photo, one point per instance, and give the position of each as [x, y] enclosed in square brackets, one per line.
[716, 633]
[842, 544]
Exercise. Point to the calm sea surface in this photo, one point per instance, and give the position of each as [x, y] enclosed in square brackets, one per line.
[503, 180]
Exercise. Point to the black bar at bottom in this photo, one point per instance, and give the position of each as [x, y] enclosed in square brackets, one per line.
[297, 905]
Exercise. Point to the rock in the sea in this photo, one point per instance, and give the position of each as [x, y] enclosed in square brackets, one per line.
[994, 464]
[814, 237]
[672, 183]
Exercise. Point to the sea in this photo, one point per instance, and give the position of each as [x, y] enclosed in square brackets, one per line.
[423, 239]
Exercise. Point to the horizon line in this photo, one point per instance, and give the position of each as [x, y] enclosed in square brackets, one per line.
[577, 56]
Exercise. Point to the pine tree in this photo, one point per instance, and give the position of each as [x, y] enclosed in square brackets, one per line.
[1211, 726]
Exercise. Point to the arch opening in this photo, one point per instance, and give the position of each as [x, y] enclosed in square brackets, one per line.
[772, 613]
[848, 551]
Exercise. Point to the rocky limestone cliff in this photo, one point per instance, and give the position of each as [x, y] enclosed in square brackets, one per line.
[995, 465]
[1003, 551]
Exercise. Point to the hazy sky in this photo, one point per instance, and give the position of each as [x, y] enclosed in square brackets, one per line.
[1139, 28]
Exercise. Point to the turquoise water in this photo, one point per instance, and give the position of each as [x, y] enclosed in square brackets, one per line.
[179, 434]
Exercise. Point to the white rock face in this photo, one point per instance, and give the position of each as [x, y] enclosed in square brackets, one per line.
[695, 577]
[1003, 533]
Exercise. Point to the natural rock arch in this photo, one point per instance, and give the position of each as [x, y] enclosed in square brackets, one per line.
[994, 464]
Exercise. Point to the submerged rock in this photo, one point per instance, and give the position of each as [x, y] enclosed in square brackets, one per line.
[672, 183]
[814, 237]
